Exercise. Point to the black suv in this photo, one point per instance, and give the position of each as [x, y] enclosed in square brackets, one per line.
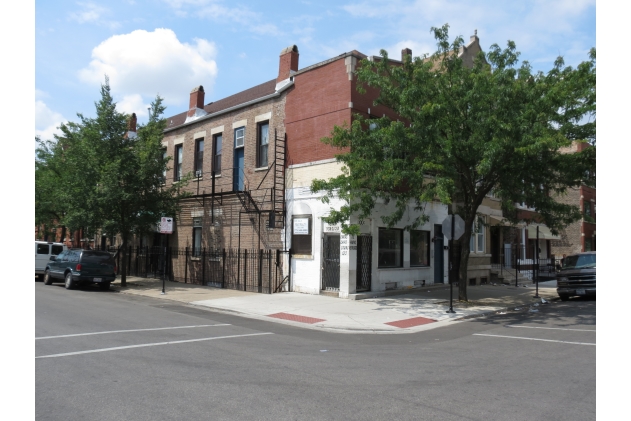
[577, 275]
[78, 266]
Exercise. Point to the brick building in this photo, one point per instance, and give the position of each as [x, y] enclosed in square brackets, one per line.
[252, 157]
[580, 235]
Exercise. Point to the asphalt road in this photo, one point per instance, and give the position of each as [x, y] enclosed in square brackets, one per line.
[110, 356]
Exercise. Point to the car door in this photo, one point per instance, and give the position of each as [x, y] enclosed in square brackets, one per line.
[42, 253]
[55, 265]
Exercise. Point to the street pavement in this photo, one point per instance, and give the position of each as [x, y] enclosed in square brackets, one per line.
[397, 312]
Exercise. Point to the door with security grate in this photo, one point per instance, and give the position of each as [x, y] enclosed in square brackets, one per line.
[364, 262]
[331, 262]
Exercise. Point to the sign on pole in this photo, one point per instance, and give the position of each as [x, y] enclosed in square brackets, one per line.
[458, 227]
[166, 225]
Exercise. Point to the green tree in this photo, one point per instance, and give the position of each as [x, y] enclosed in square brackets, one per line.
[111, 181]
[465, 131]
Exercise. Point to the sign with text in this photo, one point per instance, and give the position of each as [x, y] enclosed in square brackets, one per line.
[301, 226]
[166, 225]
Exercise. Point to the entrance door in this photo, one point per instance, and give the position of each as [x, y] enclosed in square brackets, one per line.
[331, 262]
[439, 254]
[238, 175]
[364, 262]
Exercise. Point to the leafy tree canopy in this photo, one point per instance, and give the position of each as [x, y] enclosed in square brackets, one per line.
[463, 132]
[97, 177]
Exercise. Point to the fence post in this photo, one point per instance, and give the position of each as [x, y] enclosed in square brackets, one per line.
[245, 269]
[260, 271]
[223, 268]
[185, 264]
[204, 266]
[269, 272]
[238, 266]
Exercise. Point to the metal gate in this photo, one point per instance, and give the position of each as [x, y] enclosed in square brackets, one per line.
[331, 262]
[364, 262]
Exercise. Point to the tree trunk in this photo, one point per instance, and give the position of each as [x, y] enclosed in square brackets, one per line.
[463, 261]
[124, 262]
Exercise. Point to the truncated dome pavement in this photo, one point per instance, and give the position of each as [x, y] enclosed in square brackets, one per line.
[415, 321]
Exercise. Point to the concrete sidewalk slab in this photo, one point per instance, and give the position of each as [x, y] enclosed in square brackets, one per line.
[412, 311]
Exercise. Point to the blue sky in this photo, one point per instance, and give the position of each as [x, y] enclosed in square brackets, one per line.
[170, 46]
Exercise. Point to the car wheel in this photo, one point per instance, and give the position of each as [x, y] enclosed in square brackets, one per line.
[564, 297]
[48, 280]
[69, 282]
[104, 286]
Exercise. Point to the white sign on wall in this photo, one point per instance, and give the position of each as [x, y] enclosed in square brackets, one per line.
[301, 226]
[166, 225]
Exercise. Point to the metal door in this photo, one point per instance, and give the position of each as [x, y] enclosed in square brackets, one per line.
[331, 262]
[364, 262]
[439, 262]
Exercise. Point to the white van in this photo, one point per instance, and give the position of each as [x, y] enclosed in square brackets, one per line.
[43, 251]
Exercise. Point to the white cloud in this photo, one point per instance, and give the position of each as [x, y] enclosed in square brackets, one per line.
[215, 11]
[142, 64]
[133, 104]
[47, 121]
[93, 14]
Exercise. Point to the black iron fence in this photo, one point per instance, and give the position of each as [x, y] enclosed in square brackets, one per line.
[246, 270]
[515, 260]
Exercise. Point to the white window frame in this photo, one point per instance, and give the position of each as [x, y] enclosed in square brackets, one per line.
[478, 237]
[239, 141]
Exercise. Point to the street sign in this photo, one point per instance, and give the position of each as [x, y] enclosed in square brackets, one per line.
[458, 227]
[166, 225]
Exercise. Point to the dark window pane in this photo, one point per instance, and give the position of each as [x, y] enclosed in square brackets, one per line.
[97, 257]
[217, 163]
[390, 248]
[301, 243]
[419, 248]
[42, 248]
[56, 250]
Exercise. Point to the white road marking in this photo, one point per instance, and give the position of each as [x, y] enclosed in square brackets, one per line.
[535, 339]
[129, 330]
[152, 344]
[553, 328]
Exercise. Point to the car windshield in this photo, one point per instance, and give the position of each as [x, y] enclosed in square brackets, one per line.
[96, 257]
[580, 261]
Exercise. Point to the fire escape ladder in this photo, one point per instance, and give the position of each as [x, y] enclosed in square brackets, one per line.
[278, 191]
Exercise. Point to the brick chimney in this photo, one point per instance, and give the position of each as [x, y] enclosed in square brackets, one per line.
[197, 100]
[131, 127]
[405, 52]
[288, 62]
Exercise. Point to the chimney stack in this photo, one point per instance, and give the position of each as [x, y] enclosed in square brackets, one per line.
[131, 127]
[288, 63]
[405, 52]
[197, 100]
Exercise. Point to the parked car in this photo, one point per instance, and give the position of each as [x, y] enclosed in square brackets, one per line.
[577, 275]
[78, 266]
[43, 252]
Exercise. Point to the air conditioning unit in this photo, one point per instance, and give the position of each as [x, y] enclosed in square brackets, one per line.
[198, 173]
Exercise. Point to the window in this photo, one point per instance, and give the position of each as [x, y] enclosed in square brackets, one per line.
[177, 169]
[217, 154]
[199, 157]
[262, 144]
[587, 208]
[197, 237]
[419, 248]
[588, 244]
[477, 242]
[301, 234]
[390, 248]
[239, 137]
[42, 248]
[56, 249]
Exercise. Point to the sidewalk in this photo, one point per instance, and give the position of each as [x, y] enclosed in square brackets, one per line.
[405, 312]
